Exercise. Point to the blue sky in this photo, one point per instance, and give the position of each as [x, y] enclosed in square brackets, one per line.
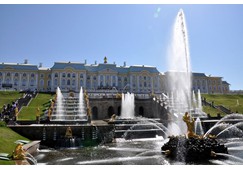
[138, 34]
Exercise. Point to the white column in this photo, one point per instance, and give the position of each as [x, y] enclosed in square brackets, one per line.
[98, 80]
[111, 80]
[76, 79]
[28, 80]
[91, 81]
[3, 77]
[20, 81]
[52, 81]
[12, 75]
[85, 75]
[60, 80]
[116, 81]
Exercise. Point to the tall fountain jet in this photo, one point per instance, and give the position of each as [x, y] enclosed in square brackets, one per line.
[59, 107]
[128, 106]
[81, 106]
[179, 74]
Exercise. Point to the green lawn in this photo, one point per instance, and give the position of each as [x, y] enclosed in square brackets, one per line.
[7, 97]
[7, 145]
[42, 100]
[227, 100]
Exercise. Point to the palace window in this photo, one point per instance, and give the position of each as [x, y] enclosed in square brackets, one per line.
[73, 82]
[145, 84]
[68, 82]
[41, 82]
[8, 74]
[24, 75]
[55, 82]
[56, 74]
[32, 82]
[68, 75]
[81, 76]
[42, 75]
[73, 75]
[1, 73]
[16, 75]
[63, 75]
[63, 82]
[81, 83]
[24, 82]
[32, 75]
[15, 82]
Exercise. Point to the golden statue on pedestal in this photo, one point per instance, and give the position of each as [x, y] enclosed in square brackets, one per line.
[19, 152]
[190, 126]
[69, 133]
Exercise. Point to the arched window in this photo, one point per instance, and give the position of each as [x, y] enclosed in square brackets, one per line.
[16, 74]
[81, 76]
[73, 82]
[110, 111]
[68, 75]
[24, 82]
[48, 83]
[8, 74]
[32, 75]
[74, 75]
[24, 75]
[141, 111]
[55, 82]
[119, 111]
[56, 74]
[1, 73]
[32, 82]
[63, 75]
[15, 82]
[94, 113]
[81, 83]
[68, 82]
[63, 82]
[42, 83]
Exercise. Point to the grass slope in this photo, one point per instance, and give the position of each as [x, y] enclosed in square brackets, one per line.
[227, 100]
[42, 100]
[7, 145]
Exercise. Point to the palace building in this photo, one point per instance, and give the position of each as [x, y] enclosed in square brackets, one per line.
[70, 76]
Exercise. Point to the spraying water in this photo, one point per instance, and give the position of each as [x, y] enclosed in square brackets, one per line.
[128, 105]
[179, 76]
[198, 127]
[199, 100]
[59, 110]
[81, 107]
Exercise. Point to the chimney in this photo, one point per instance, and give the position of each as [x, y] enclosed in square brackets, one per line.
[40, 64]
[25, 61]
[124, 65]
[95, 62]
[85, 61]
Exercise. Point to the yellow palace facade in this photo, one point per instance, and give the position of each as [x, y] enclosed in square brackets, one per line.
[70, 76]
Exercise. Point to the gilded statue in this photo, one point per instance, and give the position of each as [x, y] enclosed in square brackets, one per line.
[19, 152]
[190, 126]
[69, 133]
